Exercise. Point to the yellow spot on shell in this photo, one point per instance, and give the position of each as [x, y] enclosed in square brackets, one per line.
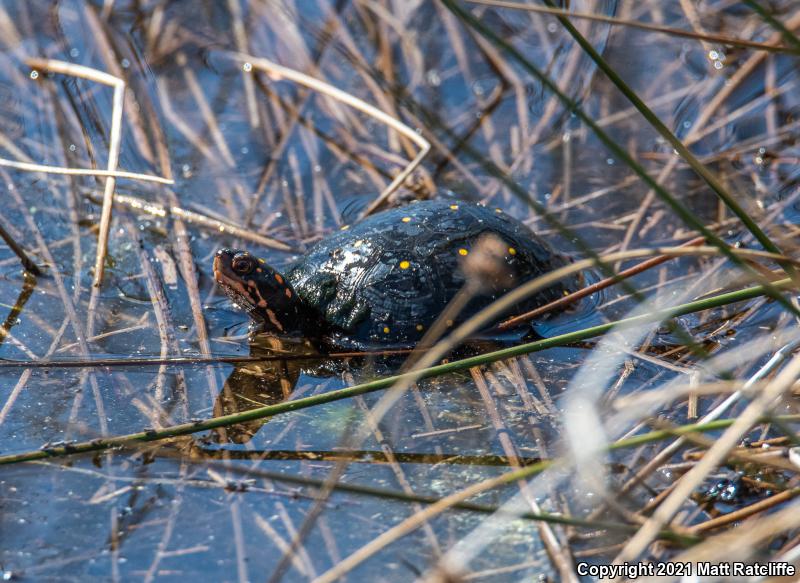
[420, 327]
[386, 329]
[463, 252]
[454, 207]
[345, 228]
[406, 219]
[498, 210]
[404, 264]
[512, 251]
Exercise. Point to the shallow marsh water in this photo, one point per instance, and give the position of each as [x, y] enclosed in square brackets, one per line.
[270, 156]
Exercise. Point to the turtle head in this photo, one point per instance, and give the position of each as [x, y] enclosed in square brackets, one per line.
[260, 290]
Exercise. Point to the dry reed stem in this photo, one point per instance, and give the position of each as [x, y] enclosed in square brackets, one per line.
[281, 544]
[234, 503]
[26, 261]
[590, 289]
[772, 458]
[225, 227]
[206, 112]
[669, 394]
[115, 135]
[240, 37]
[164, 326]
[364, 70]
[693, 17]
[279, 72]
[180, 124]
[10, 36]
[110, 48]
[746, 512]
[83, 171]
[701, 35]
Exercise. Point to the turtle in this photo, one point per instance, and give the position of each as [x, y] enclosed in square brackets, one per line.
[385, 280]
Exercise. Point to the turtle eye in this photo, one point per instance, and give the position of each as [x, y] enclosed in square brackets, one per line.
[242, 264]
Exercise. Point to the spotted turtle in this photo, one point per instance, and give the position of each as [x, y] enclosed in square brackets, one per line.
[385, 280]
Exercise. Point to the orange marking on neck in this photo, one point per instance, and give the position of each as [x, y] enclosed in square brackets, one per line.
[274, 320]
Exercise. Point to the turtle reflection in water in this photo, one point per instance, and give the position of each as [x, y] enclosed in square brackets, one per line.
[261, 383]
[383, 282]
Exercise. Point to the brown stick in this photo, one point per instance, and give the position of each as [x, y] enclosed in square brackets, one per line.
[590, 289]
[745, 512]
[29, 265]
[114, 138]
[769, 46]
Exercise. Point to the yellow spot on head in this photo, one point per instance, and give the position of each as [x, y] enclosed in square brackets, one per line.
[278, 278]
[386, 329]
[261, 261]
[498, 210]
[512, 251]
[404, 264]
[420, 327]
[406, 219]
[345, 228]
[454, 207]
[462, 251]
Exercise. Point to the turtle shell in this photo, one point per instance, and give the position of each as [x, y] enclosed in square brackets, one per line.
[386, 279]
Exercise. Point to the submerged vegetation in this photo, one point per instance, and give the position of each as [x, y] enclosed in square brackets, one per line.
[647, 417]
